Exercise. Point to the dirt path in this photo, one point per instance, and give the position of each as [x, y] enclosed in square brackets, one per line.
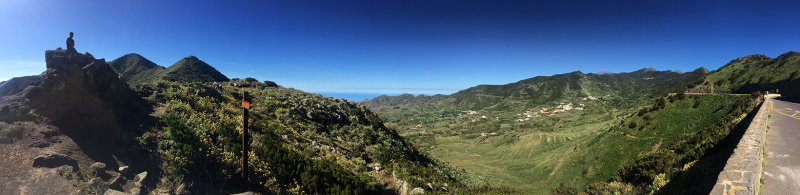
[16, 162]
[536, 143]
[560, 162]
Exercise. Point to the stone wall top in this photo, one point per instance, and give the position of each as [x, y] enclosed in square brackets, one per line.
[743, 170]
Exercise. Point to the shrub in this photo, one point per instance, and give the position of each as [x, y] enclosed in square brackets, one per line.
[564, 189]
[181, 144]
[270, 84]
[681, 95]
[250, 80]
[608, 188]
[642, 112]
[632, 125]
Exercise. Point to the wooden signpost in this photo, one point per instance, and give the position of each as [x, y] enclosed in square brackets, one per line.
[245, 110]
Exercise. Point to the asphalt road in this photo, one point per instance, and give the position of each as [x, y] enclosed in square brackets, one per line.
[782, 160]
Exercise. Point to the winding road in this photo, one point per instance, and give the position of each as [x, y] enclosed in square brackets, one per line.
[782, 159]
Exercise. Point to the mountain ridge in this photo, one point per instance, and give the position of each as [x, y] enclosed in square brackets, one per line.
[750, 74]
[643, 82]
[136, 69]
[133, 67]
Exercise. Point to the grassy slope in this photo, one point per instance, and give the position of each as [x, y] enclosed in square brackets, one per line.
[671, 139]
[541, 153]
[537, 155]
[301, 143]
[752, 73]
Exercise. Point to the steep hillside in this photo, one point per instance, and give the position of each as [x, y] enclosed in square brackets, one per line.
[77, 128]
[678, 145]
[302, 143]
[133, 68]
[191, 69]
[752, 73]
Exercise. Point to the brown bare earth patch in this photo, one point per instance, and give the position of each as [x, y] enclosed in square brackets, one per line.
[16, 160]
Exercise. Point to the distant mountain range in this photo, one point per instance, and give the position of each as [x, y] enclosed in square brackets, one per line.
[543, 89]
[134, 68]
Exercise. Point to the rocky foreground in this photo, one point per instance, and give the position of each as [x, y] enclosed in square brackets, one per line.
[65, 131]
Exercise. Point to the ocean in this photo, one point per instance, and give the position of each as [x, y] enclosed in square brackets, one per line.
[354, 96]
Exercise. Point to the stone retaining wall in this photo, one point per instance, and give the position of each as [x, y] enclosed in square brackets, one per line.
[742, 173]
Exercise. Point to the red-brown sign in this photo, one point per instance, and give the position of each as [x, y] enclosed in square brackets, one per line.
[245, 104]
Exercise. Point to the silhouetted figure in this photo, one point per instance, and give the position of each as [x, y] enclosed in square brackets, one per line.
[71, 44]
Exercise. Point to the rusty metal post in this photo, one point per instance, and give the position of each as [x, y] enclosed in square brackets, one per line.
[245, 109]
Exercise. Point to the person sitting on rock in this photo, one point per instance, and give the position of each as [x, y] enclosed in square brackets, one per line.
[71, 44]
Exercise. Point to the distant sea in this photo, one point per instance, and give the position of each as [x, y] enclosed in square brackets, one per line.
[355, 96]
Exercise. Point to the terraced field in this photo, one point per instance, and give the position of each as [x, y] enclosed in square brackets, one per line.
[576, 147]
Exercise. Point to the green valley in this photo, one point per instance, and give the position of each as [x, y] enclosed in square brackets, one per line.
[572, 132]
[364, 97]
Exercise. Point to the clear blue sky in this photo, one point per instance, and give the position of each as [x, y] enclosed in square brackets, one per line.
[415, 46]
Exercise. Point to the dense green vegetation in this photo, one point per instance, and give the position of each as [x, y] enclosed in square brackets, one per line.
[564, 133]
[751, 73]
[621, 89]
[301, 143]
[548, 134]
[686, 134]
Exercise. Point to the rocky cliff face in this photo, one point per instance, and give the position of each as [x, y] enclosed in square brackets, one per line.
[76, 91]
[74, 114]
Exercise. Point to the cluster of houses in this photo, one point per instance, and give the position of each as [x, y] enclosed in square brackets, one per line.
[472, 112]
[556, 109]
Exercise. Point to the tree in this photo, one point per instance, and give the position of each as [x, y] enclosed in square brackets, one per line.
[270, 84]
[681, 95]
[250, 80]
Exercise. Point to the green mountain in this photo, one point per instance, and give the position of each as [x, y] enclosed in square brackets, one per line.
[621, 88]
[133, 68]
[191, 69]
[574, 132]
[752, 73]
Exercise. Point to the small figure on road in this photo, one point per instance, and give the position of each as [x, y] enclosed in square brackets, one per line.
[71, 44]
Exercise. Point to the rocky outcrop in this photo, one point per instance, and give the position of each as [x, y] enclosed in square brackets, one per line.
[54, 160]
[78, 93]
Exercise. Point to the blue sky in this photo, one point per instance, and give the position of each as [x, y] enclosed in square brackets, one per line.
[414, 46]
